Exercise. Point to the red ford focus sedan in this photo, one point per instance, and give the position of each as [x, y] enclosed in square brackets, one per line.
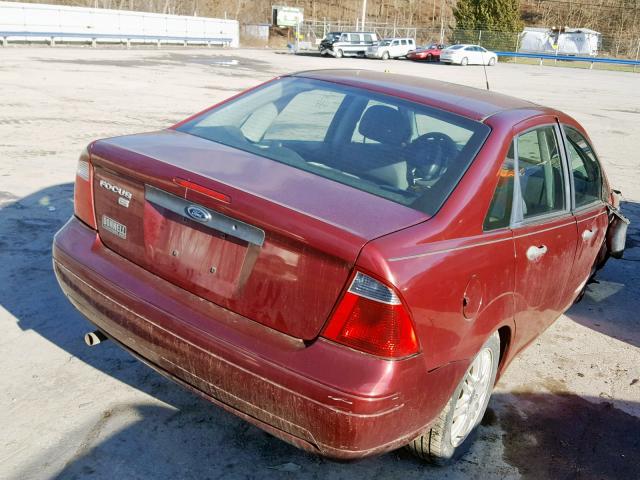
[430, 53]
[346, 259]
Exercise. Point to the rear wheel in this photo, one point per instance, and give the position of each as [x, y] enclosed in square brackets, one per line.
[429, 58]
[492, 61]
[464, 62]
[452, 433]
[339, 53]
[385, 56]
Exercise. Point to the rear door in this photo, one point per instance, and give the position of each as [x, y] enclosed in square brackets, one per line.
[394, 48]
[590, 211]
[544, 230]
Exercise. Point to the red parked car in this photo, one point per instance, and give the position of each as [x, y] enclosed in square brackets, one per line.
[346, 259]
[430, 53]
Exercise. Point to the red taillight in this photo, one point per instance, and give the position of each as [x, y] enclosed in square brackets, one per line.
[371, 317]
[83, 193]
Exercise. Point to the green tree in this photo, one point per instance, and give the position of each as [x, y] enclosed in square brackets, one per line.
[494, 15]
[491, 23]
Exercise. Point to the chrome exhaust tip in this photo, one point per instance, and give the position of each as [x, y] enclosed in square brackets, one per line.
[94, 338]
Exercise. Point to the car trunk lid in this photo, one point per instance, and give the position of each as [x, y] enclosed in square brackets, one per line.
[263, 239]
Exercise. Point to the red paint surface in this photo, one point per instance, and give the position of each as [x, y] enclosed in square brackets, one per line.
[429, 54]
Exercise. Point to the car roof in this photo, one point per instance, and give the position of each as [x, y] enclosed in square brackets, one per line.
[473, 103]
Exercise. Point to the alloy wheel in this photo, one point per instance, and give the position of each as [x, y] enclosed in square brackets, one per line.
[470, 404]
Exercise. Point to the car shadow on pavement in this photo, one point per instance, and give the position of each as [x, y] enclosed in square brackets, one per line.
[30, 291]
[610, 305]
[526, 435]
[560, 435]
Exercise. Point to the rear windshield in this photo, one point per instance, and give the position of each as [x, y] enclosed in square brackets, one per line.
[402, 151]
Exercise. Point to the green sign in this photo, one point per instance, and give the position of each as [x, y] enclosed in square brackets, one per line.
[287, 16]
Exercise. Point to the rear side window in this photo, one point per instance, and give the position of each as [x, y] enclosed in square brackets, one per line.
[355, 38]
[404, 42]
[396, 149]
[585, 168]
[540, 172]
[499, 214]
[368, 39]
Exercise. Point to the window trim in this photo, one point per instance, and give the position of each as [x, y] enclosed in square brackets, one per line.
[519, 220]
[509, 224]
[565, 141]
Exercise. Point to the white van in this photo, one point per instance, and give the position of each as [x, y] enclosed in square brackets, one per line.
[339, 44]
[391, 48]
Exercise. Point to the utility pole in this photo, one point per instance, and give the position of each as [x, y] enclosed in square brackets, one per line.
[364, 14]
[441, 21]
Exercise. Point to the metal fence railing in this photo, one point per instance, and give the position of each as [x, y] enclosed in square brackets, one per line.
[611, 45]
[51, 23]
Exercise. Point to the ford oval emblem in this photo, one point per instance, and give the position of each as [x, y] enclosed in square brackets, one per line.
[199, 214]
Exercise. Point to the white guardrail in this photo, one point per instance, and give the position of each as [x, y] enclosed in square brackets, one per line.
[48, 23]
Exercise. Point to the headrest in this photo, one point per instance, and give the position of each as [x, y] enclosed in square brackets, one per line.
[385, 125]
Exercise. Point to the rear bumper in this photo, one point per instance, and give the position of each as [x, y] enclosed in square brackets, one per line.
[320, 397]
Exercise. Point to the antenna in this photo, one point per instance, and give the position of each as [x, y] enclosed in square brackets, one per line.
[484, 67]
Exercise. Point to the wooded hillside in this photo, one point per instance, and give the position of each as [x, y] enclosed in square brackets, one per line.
[612, 17]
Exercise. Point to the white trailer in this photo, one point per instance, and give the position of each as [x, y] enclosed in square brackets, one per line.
[565, 41]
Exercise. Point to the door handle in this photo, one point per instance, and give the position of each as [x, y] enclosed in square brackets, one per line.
[588, 234]
[535, 253]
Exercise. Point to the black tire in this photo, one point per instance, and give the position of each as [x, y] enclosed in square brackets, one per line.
[435, 445]
[429, 58]
[492, 61]
[385, 56]
[464, 62]
[339, 53]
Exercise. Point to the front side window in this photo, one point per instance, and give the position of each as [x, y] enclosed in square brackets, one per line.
[368, 38]
[585, 169]
[399, 150]
[540, 174]
[404, 42]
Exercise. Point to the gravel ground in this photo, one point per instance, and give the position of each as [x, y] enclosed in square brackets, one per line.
[569, 407]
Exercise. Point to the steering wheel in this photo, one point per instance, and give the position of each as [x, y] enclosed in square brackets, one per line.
[430, 155]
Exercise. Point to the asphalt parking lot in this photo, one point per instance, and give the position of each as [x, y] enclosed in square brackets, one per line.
[569, 407]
